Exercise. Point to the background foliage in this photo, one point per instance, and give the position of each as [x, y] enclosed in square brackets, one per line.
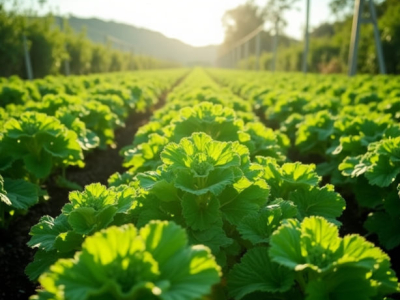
[49, 47]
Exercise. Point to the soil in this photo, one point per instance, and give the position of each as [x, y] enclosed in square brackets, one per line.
[15, 255]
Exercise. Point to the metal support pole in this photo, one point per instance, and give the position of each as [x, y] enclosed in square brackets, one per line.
[246, 53]
[235, 57]
[66, 67]
[239, 49]
[306, 37]
[355, 33]
[28, 64]
[378, 44]
[275, 47]
[66, 61]
[258, 50]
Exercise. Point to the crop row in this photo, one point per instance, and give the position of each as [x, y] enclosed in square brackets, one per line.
[50, 124]
[349, 127]
[209, 200]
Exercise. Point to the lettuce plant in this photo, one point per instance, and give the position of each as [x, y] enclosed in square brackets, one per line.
[35, 144]
[122, 263]
[58, 106]
[16, 195]
[263, 141]
[115, 103]
[294, 193]
[385, 222]
[299, 183]
[143, 133]
[309, 258]
[380, 164]
[314, 133]
[89, 211]
[215, 120]
[97, 118]
[50, 103]
[203, 184]
[87, 139]
[122, 92]
[145, 156]
[13, 93]
[285, 105]
[376, 174]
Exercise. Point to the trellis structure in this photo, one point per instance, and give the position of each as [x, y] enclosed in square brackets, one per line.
[359, 5]
[230, 57]
[233, 55]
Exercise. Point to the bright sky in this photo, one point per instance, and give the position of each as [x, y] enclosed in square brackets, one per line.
[195, 22]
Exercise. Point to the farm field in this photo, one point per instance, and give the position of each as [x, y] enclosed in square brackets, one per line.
[200, 184]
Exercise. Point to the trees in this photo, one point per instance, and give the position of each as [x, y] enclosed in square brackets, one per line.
[11, 47]
[46, 46]
[49, 46]
[274, 11]
[240, 21]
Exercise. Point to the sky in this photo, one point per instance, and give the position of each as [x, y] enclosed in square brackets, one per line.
[195, 22]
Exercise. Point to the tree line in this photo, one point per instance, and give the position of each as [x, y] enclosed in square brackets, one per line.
[49, 47]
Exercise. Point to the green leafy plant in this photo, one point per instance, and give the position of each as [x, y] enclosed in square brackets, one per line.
[203, 184]
[33, 145]
[323, 265]
[89, 211]
[221, 123]
[299, 183]
[16, 196]
[380, 164]
[385, 221]
[124, 263]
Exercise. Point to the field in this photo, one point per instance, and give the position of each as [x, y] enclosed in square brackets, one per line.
[200, 184]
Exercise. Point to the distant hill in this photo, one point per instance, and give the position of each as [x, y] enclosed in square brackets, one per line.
[144, 41]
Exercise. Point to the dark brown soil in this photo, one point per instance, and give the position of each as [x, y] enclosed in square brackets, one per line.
[100, 164]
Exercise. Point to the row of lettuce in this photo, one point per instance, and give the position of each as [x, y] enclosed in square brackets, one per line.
[348, 126]
[210, 208]
[50, 124]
